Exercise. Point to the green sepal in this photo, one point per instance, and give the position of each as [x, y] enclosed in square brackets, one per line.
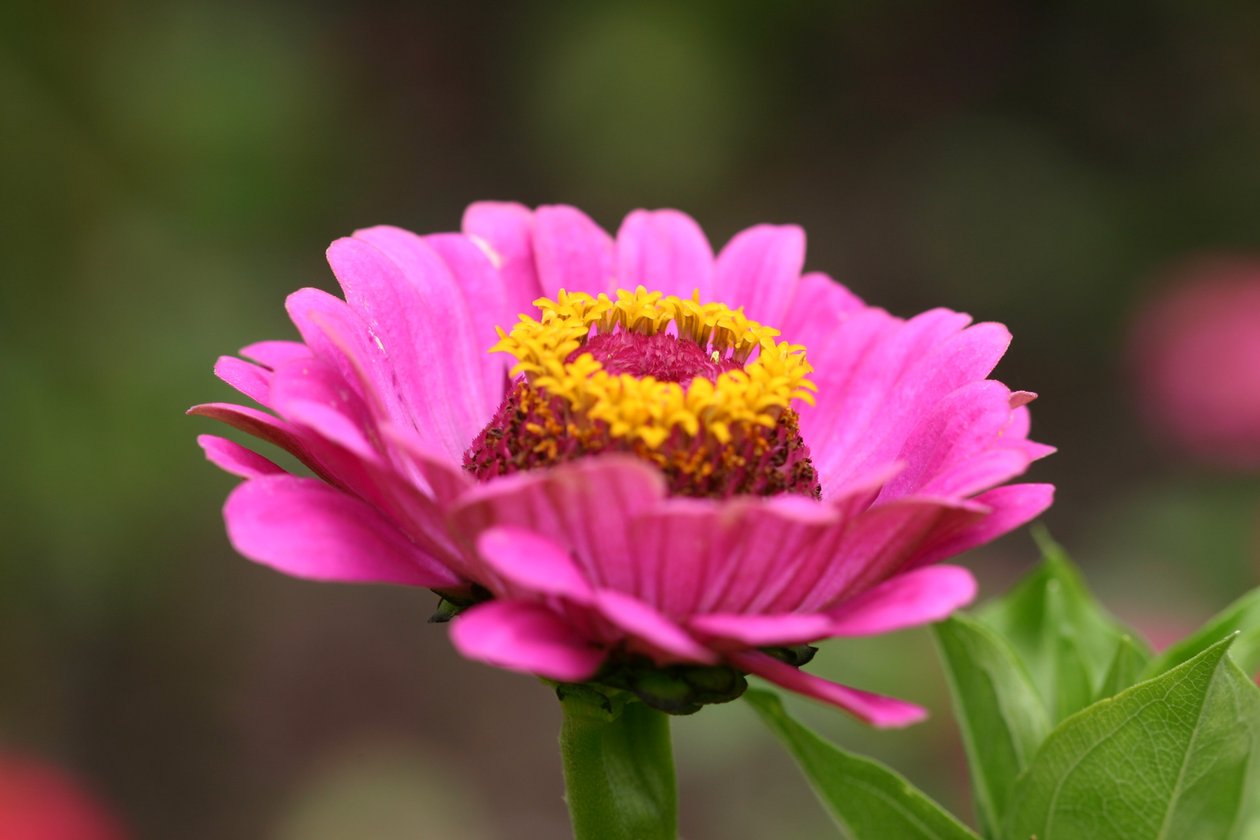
[674, 689]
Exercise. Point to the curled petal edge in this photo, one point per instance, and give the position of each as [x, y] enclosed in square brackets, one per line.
[875, 709]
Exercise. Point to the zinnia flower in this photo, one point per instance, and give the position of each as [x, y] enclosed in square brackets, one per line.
[625, 460]
[1196, 351]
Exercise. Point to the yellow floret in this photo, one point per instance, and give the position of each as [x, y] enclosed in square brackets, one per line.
[645, 408]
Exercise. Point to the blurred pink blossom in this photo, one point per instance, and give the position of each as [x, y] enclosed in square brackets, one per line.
[1196, 353]
[38, 801]
[575, 550]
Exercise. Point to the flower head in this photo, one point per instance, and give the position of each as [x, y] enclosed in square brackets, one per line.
[696, 389]
[628, 461]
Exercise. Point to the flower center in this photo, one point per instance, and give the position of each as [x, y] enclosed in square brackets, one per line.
[695, 388]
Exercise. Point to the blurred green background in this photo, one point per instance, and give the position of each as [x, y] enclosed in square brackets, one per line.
[170, 171]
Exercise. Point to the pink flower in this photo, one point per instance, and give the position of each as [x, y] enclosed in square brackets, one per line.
[659, 482]
[1196, 348]
[40, 802]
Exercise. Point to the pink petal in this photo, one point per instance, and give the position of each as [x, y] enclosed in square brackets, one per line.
[1021, 418]
[836, 547]
[838, 355]
[669, 558]
[525, 637]
[867, 395]
[946, 454]
[775, 545]
[360, 360]
[571, 251]
[648, 626]
[589, 506]
[951, 364]
[304, 528]
[405, 501]
[408, 301]
[450, 290]
[664, 251]
[1035, 451]
[979, 472]
[532, 565]
[233, 458]
[1010, 507]
[918, 597]
[332, 426]
[341, 339]
[875, 709]
[762, 630]
[878, 544]
[339, 442]
[483, 291]
[445, 480]
[262, 426]
[314, 395]
[272, 354]
[869, 405]
[701, 557]
[506, 231]
[250, 379]
[759, 269]
[741, 556]
[1016, 431]
[693, 556]
[325, 456]
[819, 305]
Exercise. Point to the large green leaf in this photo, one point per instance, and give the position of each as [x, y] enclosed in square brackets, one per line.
[1242, 616]
[868, 800]
[1002, 718]
[1169, 758]
[1060, 632]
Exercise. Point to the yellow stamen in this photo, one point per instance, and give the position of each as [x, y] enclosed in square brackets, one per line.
[645, 408]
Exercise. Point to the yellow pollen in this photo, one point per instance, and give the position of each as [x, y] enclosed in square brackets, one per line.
[643, 408]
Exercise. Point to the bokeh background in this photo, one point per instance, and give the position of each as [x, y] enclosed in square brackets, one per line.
[170, 171]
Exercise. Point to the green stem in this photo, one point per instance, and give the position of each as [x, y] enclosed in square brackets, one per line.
[618, 768]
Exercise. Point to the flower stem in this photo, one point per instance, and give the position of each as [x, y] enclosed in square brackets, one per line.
[618, 768]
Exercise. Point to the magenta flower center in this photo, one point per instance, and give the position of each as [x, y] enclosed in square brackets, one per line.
[661, 356]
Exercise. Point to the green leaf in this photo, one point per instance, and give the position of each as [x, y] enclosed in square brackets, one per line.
[1002, 718]
[1242, 615]
[1064, 637]
[865, 798]
[1125, 669]
[1073, 681]
[1246, 650]
[1166, 759]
